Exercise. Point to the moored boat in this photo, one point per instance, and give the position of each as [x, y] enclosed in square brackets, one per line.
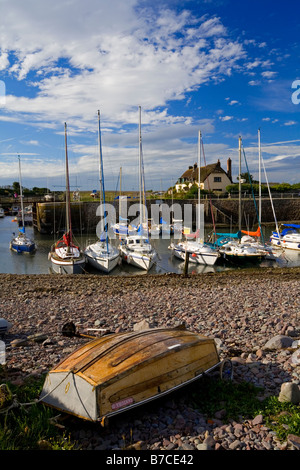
[21, 243]
[101, 254]
[65, 256]
[117, 372]
[287, 237]
[136, 249]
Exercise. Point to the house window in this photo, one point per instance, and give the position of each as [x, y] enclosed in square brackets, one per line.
[217, 179]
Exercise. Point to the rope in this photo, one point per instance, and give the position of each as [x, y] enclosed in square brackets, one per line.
[16, 404]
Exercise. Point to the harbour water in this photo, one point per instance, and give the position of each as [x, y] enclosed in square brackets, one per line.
[38, 263]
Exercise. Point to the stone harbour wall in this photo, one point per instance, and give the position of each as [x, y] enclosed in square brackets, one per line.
[51, 216]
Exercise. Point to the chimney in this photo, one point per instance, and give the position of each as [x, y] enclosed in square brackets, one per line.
[229, 169]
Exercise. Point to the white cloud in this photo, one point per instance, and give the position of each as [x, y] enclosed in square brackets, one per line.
[269, 74]
[225, 118]
[84, 55]
[290, 123]
[254, 83]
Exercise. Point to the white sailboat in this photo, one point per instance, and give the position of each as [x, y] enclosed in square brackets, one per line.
[21, 243]
[101, 254]
[136, 249]
[287, 237]
[255, 238]
[197, 251]
[65, 256]
[230, 246]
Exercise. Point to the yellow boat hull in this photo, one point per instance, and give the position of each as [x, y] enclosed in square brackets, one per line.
[114, 373]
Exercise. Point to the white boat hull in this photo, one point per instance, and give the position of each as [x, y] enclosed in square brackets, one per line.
[199, 254]
[238, 252]
[68, 266]
[102, 260]
[290, 242]
[139, 260]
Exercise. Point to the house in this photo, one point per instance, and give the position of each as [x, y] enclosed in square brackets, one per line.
[213, 178]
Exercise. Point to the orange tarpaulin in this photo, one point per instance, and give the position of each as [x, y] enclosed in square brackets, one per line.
[252, 234]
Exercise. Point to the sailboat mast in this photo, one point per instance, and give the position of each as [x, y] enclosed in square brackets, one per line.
[68, 219]
[199, 182]
[21, 193]
[240, 184]
[100, 159]
[102, 176]
[140, 164]
[259, 177]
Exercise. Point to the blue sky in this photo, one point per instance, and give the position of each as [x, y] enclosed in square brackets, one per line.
[224, 67]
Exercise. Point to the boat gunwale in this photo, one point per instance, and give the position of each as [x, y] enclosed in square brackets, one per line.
[86, 363]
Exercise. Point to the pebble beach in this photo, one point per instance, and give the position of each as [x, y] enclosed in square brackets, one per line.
[248, 312]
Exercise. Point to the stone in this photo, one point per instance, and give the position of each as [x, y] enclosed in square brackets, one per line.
[294, 441]
[295, 358]
[278, 342]
[257, 420]
[140, 326]
[289, 392]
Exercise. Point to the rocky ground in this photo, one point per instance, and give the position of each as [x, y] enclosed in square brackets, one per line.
[243, 310]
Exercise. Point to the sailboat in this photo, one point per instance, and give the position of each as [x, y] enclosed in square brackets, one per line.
[21, 243]
[65, 256]
[197, 251]
[288, 237]
[101, 254]
[255, 238]
[123, 228]
[230, 246]
[136, 249]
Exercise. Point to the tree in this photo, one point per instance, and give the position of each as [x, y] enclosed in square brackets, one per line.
[16, 187]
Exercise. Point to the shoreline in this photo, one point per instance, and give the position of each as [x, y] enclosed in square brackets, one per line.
[241, 309]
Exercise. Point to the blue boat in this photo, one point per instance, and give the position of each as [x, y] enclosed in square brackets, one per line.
[21, 243]
[288, 237]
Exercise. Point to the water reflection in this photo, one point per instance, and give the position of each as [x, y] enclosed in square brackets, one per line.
[38, 263]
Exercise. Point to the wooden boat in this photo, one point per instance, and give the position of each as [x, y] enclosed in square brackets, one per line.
[119, 371]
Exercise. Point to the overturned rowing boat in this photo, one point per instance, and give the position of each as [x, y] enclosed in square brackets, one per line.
[114, 373]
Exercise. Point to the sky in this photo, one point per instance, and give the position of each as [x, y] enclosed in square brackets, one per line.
[227, 68]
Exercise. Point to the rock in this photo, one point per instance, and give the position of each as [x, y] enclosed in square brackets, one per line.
[294, 441]
[295, 358]
[140, 326]
[257, 420]
[278, 342]
[289, 392]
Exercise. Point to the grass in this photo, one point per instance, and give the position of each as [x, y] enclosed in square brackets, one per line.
[240, 402]
[33, 427]
[30, 427]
